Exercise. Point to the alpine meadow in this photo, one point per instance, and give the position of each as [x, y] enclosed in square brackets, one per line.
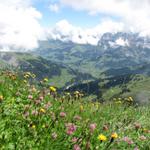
[74, 75]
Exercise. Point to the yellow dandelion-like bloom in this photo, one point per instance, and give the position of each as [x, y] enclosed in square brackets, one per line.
[26, 76]
[68, 94]
[45, 79]
[33, 126]
[25, 81]
[52, 89]
[42, 110]
[114, 135]
[76, 93]
[130, 99]
[81, 108]
[102, 137]
[1, 97]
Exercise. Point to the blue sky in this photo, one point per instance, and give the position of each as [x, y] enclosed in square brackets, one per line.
[77, 18]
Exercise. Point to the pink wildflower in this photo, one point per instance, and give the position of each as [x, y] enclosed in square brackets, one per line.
[71, 128]
[54, 135]
[77, 118]
[142, 138]
[62, 114]
[92, 127]
[30, 97]
[74, 139]
[76, 147]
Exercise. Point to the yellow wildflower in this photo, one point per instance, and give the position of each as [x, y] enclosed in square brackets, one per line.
[33, 126]
[45, 80]
[42, 110]
[76, 92]
[25, 81]
[52, 89]
[102, 137]
[1, 97]
[114, 135]
[81, 108]
[130, 99]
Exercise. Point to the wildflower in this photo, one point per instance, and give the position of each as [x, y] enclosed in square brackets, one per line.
[74, 140]
[25, 81]
[26, 114]
[130, 99]
[62, 114]
[136, 148]
[34, 113]
[145, 130]
[71, 128]
[37, 102]
[142, 138]
[41, 98]
[105, 127]
[102, 137]
[1, 97]
[33, 76]
[76, 147]
[77, 94]
[47, 105]
[26, 76]
[114, 135]
[42, 110]
[33, 126]
[45, 79]
[30, 97]
[137, 126]
[54, 135]
[81, 108]
[128, 140]
[77, 118]
[92, 127]
[52, 89]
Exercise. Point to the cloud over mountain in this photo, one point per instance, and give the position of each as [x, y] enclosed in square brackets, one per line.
[19, 25]
[134, 14]
[65, 31]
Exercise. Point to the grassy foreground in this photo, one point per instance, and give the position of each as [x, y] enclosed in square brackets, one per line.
[33, 118]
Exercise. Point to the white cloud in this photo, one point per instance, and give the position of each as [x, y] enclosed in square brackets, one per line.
[54, 7]
[122, 42]
[134, 14]
[67, 32]
[19, 25]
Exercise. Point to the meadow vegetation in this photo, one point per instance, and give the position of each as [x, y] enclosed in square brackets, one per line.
[36, 116]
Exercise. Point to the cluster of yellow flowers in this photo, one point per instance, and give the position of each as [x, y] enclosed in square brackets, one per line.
[102, 137]
[130, 99]
[28, 75]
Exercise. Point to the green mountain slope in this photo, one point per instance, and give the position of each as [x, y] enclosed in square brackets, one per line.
[58, 74]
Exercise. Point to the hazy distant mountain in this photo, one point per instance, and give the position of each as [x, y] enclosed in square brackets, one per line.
[58, 74]
[113, 63]
[114, 51]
